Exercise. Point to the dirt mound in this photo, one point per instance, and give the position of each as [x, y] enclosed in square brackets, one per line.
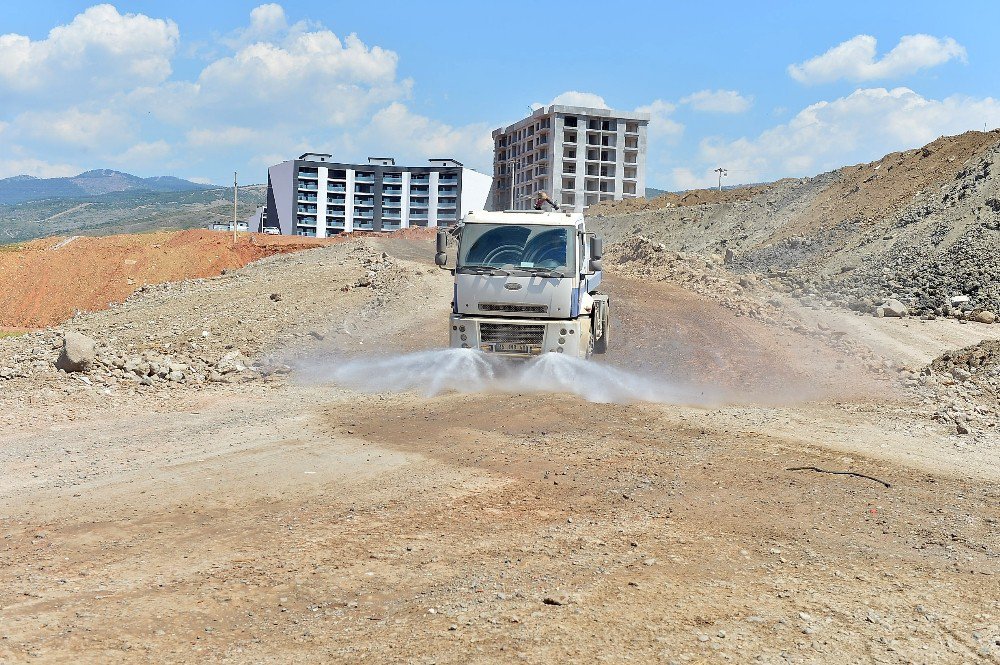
[920, 226]
[46, 281]
[691, 197]
[966, 385]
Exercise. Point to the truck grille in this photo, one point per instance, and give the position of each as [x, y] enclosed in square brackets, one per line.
[511, 333]
[504, 307]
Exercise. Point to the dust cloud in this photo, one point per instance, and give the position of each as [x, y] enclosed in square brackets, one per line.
[439, 371]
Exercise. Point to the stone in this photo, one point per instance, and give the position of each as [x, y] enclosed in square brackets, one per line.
[78, 353]
[984, 316]
[276, 297]
[893, 308]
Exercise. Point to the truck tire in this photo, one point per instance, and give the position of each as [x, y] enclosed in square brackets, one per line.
[601, 343]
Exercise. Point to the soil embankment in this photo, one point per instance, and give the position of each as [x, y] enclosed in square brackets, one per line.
[47, 281]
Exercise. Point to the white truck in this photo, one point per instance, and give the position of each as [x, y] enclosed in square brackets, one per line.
[525, 284]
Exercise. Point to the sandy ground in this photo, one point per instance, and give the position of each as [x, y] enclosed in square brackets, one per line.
[296, 522]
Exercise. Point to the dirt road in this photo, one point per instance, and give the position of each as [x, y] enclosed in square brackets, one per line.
[306, 523]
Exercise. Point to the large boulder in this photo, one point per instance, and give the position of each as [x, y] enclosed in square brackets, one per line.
[77, 354]
[892, 307]
[985, 316]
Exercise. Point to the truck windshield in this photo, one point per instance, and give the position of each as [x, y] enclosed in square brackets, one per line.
[519, 246]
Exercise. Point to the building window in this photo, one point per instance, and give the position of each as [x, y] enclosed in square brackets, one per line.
[569, 121]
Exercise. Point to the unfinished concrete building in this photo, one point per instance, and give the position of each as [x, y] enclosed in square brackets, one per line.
[578, 155]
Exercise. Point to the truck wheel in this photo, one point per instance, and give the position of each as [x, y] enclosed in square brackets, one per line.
[601, 343]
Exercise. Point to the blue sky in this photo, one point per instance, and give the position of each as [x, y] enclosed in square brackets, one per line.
[200, 89]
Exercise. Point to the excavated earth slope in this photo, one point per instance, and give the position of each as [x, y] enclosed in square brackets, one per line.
[922, 226]
[43, 282]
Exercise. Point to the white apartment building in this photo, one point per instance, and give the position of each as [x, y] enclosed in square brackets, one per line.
[578, 155]
[315, 196]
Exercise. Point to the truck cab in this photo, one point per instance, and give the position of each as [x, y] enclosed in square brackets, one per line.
[526, 283]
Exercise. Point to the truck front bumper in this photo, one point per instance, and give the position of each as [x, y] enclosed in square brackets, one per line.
[522, 338]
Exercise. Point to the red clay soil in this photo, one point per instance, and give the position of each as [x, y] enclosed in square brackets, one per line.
[46, 281]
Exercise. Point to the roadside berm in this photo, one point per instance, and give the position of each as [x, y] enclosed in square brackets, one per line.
[825, 488]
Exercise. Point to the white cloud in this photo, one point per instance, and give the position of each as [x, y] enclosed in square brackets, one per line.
[38, 168]
[718, 101]
[266, 22]
[661, 125]
[98, 52]
[862, 126]
[575, 98]
[223, 136]
[684, 178]
[146, 154]
[398, 132]
[74, 128]
[854, 59]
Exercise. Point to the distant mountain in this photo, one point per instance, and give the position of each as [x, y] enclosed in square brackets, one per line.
[21, 188]
[652, 192]
[130, 211]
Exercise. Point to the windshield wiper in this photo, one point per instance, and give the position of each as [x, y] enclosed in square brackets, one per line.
[482, 270]
[542, 272]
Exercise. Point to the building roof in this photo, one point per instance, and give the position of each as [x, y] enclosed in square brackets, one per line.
[543, 111]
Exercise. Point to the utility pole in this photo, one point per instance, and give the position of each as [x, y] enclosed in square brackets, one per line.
[721, 171]
[235, 189]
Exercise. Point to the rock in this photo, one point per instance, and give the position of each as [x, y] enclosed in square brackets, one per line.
[78, 353]
[730, 256]
[961, 428]
[276, 297]
[892, 307]
[984, 316]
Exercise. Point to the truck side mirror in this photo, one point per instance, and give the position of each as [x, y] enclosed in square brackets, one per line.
[441, 257]
[596, 251]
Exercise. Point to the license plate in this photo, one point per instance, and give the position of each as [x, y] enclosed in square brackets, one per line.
[515, 348]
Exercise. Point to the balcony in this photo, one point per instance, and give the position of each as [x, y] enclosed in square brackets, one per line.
[448, 181]
[305, 221]
[305, 198]
[392, 190]
[336, 189]
[336, 200]
[394, 215]
[363, 214]
[364, 202]
[307, 210]
[307, 187]
[367, 178]
[311, 175]
[392, 179]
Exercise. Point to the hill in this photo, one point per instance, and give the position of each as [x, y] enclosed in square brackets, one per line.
[125, 212]
[23, 188]
[920, 226]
